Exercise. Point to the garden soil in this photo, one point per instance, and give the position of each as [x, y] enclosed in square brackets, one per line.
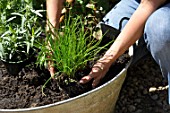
[25, 89]
[144, 90]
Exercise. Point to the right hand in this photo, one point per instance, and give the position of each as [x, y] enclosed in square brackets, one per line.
[98, 71]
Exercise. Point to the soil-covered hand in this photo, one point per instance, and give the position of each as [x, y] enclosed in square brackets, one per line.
[98, 71]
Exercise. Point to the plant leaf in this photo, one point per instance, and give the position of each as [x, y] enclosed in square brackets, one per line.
[37, 12]
[10, 19]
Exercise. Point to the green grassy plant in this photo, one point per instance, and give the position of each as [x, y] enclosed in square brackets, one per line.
[69, 48]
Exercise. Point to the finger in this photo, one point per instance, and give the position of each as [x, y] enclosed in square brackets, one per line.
[52, 72]
[51, 69]
[95, 82]
[86, 79]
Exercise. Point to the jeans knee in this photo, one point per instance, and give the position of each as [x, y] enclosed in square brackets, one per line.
[157, 30]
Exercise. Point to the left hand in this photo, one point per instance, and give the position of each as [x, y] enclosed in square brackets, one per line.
[98, 71]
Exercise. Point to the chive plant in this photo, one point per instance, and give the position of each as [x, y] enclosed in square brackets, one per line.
[69, 48]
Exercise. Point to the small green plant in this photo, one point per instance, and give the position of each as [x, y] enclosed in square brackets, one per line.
[69, 48]
[18, 38]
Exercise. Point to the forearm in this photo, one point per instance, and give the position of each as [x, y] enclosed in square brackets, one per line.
[132, 31]
[54, 8]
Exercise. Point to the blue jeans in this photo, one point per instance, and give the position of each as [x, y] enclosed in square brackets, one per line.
[156, 36]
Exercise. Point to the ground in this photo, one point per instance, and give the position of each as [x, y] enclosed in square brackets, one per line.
[144, 90]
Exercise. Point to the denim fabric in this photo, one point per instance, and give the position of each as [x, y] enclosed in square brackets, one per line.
[156, 38]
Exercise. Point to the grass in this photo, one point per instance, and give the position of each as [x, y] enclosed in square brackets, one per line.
[69, 48]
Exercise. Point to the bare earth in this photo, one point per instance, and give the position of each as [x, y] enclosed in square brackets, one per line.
[144, 91]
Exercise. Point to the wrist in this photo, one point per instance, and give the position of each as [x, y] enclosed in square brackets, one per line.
[106, 60]
[51, 26]
[52, 22]
[110, 55]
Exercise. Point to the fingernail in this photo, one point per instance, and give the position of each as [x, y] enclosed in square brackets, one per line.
[93, 86]
[81, 81]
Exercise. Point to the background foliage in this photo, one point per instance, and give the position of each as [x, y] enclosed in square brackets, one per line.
[91, 10]
[19, 26]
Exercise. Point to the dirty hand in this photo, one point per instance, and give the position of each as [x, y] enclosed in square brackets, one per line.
[97, 73]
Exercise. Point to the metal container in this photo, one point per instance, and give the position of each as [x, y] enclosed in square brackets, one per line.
[99, 100]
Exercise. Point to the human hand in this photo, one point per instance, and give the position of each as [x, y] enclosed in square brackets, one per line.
[98, 71]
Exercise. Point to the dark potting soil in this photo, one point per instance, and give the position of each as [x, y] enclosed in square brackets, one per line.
[25, 89]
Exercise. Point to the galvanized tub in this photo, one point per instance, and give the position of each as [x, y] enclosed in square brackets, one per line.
[99, 100]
